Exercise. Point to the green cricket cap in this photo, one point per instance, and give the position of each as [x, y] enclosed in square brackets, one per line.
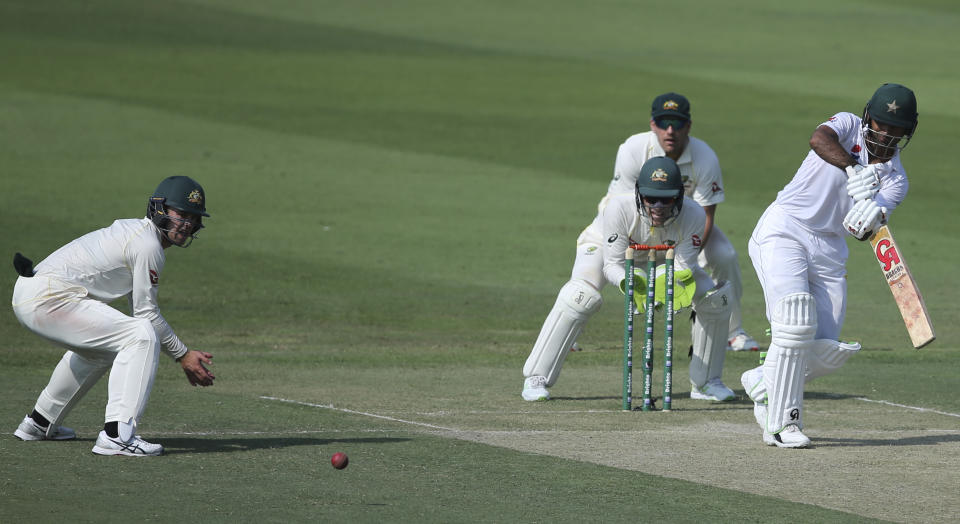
[670, 105]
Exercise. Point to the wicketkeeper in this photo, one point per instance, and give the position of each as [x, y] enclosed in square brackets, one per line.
[66, 300]
[654, 213]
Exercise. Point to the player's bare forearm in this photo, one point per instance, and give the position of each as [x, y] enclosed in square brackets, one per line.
[710, 211]
[826, 144]
[193, 367]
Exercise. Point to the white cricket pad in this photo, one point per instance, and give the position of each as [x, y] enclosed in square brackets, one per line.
[794, 320]
[710, 334]
[826, 356]
[783, 378]
[793, 325]
[576, 303]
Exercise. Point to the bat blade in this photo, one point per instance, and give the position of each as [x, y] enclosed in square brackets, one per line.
[904, 288]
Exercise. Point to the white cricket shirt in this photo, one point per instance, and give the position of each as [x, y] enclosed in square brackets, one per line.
[699, 167]
[817, 196]
[125, 258]
[621, 224]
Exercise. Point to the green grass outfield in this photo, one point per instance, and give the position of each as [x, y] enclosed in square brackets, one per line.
[395, 191]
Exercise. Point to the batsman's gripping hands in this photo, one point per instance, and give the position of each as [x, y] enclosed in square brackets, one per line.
[192, 363]
[863, 182]
[864, 218]
[684, 286]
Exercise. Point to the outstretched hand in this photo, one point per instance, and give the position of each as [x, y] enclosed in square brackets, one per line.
[193, 366]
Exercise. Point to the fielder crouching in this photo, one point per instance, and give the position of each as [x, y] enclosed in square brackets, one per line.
[66, 300]
[656, 212]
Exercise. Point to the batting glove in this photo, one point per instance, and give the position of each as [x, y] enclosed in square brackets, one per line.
[864, 217]
[863, 182]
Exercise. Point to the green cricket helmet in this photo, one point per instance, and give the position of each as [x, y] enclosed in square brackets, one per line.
[659, 190]
[183, 194]
[894, 105]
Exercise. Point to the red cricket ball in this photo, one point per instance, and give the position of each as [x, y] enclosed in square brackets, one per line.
[339, 460]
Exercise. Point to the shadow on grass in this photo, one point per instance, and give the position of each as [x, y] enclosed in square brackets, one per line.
[173, 446]
[741, 397]
[930, 440]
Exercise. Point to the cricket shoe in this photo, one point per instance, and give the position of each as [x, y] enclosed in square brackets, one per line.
[714, 390]
[135, 447]
[30, 430]
[742, 342]
[788, 437]
[535, 389]
[752, 382]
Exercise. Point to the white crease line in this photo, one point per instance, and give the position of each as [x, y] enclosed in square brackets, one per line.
[488, 412]
[345, 410]
[925, 410]
[253, 433]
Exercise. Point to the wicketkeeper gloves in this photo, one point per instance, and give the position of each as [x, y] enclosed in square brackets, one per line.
[684, 286]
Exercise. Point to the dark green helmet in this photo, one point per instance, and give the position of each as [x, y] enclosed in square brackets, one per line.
[183, 194]
[895, 105]
[661, 185]
[891, 105]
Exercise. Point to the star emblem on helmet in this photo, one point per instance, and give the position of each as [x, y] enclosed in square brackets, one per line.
[892, 107]
[658, 176]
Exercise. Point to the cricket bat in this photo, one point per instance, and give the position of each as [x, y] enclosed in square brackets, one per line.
[904, 288]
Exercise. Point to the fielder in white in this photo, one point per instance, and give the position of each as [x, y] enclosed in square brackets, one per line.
[655, 212]
[849, 182]
[66, 300]
[669, 135]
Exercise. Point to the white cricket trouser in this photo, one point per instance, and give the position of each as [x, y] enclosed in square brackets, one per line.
[719, 258]
[588, 264]
[99, 338]
[791, 259]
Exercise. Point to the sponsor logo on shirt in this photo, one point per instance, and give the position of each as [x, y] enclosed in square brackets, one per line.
[855, 148]
[696, 240]
[154, 277]
[716, 188]
[613, 238]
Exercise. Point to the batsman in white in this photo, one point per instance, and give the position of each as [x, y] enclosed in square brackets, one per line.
[66, 300]
[655, 212]
[849, 182]
[669, 136]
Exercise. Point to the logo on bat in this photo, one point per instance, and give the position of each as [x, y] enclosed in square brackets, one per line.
[887, 254]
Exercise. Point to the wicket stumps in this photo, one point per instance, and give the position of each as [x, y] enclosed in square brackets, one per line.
[628, 308]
